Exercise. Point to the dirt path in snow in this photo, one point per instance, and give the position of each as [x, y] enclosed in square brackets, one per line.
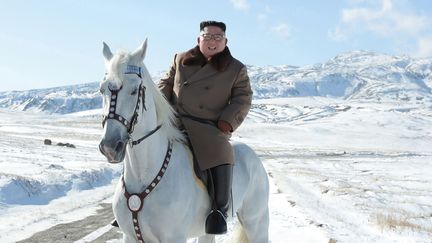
[77, 230]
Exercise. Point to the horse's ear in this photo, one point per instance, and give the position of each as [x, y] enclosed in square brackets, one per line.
[139, 54]
[107, 52]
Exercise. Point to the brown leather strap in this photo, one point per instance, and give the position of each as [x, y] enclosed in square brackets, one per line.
[137, 227]
[146, 136]
[135, 202]
[113, 106]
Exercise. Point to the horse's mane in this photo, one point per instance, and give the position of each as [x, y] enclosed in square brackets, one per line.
[165, 113]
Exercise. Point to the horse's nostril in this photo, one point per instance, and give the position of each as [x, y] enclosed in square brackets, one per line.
[119, 147]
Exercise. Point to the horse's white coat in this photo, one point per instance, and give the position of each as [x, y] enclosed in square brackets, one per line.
[178, 206]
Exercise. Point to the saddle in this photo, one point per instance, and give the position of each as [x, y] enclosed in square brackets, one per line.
[203, 176]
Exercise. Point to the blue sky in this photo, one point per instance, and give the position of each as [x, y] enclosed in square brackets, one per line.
[59, 42]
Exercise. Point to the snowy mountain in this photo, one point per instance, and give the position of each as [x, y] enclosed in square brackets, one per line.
[62, 100]
[357, 75]
[353, 75]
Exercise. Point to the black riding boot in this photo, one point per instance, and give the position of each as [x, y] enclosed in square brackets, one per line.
[221, 178]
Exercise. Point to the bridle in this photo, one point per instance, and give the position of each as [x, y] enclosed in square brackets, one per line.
[130, 125]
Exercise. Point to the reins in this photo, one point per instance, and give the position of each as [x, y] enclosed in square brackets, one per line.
[145, 136]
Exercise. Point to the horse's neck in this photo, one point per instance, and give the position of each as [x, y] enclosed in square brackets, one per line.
[143, 162]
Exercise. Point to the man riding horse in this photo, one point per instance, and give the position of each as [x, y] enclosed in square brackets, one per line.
[210, 90]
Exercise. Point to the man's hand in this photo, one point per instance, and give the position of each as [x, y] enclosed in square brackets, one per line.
[224, 126]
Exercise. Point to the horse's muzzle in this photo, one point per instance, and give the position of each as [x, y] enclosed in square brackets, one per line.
[114, 152]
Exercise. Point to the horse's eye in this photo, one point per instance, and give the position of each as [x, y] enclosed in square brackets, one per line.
[101, 90]
[134, 92]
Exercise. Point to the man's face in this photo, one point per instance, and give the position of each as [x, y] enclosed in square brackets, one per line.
[211, 41]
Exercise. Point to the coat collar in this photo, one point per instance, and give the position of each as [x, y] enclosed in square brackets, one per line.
[219, 61]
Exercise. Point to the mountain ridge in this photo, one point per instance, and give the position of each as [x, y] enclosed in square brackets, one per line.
[356, 75]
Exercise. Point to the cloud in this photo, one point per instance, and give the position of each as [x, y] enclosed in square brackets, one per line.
[409, 31]
[386, 21]
[336, 34]
[240, 4]
[424, 46]
[263, 15]
[282, 30]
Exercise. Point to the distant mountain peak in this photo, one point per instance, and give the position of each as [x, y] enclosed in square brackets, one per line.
[360, 75]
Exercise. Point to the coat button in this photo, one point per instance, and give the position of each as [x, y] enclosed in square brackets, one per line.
[206, 87]
[201, 107]
[186, 84]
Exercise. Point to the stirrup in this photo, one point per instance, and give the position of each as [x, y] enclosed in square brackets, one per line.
[216, 223]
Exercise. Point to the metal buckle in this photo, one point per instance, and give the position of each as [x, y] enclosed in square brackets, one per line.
[134, 203]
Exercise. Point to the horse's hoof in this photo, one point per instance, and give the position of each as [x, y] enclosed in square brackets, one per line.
[216, 223]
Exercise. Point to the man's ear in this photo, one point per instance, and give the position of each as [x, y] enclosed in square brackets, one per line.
[198, 40]
[226, 41]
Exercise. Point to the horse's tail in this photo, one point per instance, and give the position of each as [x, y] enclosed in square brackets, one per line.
[239, 234]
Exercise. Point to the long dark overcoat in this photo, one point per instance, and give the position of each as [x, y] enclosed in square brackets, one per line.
[203, 92]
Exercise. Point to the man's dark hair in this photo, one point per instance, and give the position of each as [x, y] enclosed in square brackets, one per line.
[212, 23]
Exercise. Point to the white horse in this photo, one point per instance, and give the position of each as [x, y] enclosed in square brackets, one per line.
[139, 130]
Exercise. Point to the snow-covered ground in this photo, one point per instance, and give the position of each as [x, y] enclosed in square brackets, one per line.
[362, 171]
[350, 171]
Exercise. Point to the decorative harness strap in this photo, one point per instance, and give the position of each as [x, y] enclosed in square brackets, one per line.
[135, 201]
[140, 100]
[112, 109]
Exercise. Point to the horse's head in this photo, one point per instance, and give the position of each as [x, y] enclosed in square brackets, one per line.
[124, 100]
